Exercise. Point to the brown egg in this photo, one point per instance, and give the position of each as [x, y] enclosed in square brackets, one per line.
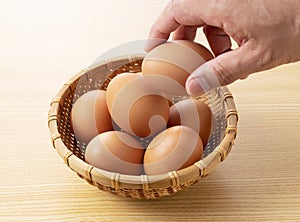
[115, 151]
[136, 106]
[176, 59]
[192, 113]
[90, 116]
[175, 148]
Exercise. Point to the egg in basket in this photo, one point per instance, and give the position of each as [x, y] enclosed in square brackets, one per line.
[127, 125]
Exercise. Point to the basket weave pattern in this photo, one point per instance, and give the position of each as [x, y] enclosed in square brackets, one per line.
[142, 187]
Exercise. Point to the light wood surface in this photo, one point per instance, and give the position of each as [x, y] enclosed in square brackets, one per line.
[44, 43]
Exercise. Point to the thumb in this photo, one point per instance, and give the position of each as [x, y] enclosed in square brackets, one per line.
[223, 70]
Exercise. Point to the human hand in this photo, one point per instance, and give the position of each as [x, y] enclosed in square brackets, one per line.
[267, 32]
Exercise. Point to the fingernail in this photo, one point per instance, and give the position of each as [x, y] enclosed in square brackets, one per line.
[201, 81]
[193, 88]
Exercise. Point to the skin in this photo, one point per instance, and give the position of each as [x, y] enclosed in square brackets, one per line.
[267, 32]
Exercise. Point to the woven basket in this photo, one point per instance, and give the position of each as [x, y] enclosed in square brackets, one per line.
[142, 187]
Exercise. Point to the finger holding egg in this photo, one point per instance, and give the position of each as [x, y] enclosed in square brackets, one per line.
[176, 59]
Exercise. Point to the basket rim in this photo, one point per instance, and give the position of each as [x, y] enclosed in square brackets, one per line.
[146, 182]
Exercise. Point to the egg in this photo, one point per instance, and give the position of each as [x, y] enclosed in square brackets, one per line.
[136, 106]
[173, 149]
[192, 113]
[115, 151]
[90, 116]
[176, 59]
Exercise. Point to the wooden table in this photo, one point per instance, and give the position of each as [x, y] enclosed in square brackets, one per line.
[44, 43]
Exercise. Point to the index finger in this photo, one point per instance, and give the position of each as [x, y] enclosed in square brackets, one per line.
[175, 14]
[162, 27]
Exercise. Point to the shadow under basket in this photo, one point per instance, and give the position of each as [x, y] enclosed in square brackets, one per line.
[221, 140]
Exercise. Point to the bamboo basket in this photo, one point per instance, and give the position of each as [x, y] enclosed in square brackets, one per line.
[142, 187]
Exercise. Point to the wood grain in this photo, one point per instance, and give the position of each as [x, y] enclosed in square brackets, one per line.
[43, 43]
